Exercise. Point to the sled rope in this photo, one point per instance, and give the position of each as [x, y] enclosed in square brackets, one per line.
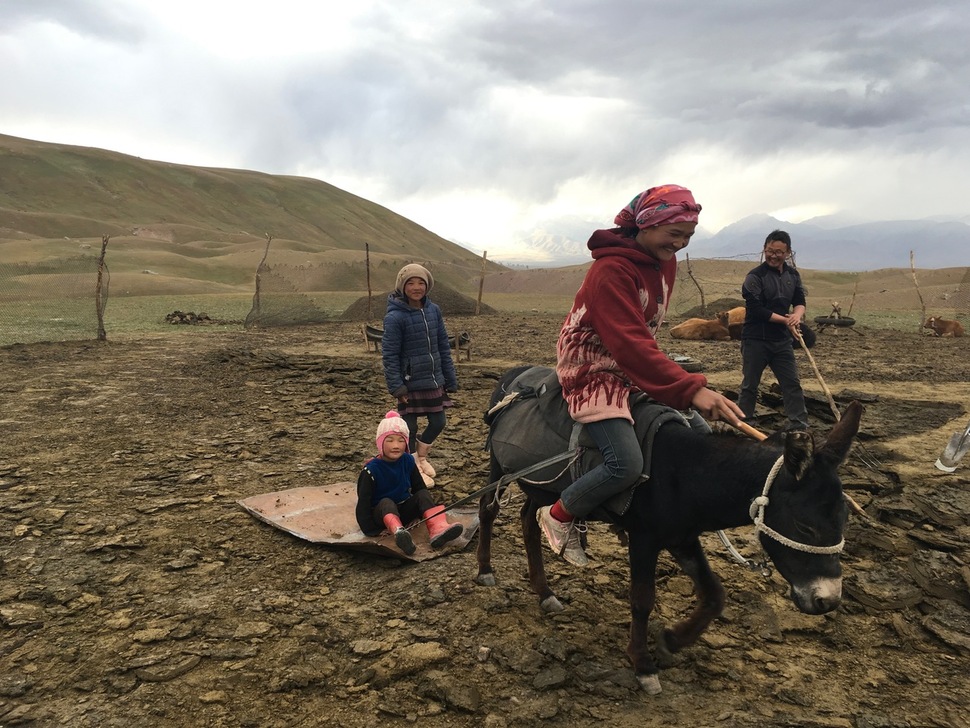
[497, 485]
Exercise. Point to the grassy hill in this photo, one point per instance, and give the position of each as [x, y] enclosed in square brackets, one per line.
[197, 228]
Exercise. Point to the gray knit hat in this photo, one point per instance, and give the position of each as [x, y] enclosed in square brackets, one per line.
[413, 270]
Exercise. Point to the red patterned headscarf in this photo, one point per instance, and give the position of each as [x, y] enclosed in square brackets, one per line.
[663, 205]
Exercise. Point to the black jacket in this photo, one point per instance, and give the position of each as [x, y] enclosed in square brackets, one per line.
[767, 291]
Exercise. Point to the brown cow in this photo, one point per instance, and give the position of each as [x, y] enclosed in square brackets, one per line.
[701, 330]
[943, 327]
[732, 320]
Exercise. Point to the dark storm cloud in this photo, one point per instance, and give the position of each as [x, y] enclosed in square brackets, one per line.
[757, 77]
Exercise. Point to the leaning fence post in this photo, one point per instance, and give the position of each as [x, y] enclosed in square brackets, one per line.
[922, 304]
[367, 268]
[481, 283]
[701, 290]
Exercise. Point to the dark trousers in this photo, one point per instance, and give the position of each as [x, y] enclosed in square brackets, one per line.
[436, 424]
[409, 510]
[780, 357]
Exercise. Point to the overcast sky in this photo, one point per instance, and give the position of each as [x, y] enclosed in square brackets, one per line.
[485, 120]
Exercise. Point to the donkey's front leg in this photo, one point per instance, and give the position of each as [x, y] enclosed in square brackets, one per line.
[708, 591]
[533, 551]
[643, 596]
[488, 508]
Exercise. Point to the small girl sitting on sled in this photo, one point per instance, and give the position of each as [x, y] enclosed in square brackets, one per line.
[391, 492]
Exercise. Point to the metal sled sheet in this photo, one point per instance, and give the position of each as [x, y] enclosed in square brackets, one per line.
[325, 514]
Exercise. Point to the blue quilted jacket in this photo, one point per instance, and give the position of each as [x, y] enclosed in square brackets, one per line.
[415, 348]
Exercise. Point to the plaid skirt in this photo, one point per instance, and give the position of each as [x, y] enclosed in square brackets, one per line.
[424, 401]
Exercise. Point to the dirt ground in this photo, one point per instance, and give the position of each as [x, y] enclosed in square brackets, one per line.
[135, 591]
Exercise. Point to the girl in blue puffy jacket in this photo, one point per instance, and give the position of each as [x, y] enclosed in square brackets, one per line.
[417, 359]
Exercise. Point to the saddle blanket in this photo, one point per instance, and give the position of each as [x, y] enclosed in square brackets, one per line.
[536, 425]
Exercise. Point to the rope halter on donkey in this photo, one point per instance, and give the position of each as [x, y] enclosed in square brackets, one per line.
[757, 513]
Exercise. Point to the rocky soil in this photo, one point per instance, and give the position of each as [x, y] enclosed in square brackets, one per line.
[134, 590]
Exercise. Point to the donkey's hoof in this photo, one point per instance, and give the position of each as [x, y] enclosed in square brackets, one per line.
[485, 579]
[551, 605]
[650, 684]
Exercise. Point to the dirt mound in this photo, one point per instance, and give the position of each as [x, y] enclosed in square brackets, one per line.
[450, 301]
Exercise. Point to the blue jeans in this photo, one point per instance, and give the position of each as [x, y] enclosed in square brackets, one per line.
[622, 466]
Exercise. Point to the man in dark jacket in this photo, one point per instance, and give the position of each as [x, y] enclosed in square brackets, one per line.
[774, 306]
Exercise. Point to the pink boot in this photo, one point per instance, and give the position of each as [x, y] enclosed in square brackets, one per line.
[401, 536]
[439, 530]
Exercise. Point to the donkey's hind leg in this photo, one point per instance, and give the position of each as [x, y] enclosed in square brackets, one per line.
[488, 508]
[533, 550]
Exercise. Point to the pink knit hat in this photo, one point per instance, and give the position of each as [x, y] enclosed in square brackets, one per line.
[392, 424]
[662, 205]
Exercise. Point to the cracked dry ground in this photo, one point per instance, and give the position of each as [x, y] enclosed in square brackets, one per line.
[134, 590]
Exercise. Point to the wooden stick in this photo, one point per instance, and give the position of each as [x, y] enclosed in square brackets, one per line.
[750, 431]
[818, 375]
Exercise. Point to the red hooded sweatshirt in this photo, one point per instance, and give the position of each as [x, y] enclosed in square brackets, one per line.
[607, 347]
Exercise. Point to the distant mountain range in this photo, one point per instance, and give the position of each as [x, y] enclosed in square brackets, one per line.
[833, 242]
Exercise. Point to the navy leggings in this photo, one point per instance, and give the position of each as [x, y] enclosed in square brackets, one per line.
[436, 424]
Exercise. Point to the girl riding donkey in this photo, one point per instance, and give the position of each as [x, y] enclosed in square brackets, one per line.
[391, 492]
[607, 350]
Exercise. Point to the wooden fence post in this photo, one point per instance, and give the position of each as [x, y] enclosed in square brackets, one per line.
[922, 304]
[481, 283]
[99, 301]
[367, 267]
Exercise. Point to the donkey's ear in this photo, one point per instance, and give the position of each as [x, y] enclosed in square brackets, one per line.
[799, 449]
[839, 440]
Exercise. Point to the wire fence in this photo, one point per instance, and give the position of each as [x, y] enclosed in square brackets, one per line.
[55, 300]
[52, 300]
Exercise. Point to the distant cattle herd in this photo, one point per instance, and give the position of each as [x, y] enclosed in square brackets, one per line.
[726, 325]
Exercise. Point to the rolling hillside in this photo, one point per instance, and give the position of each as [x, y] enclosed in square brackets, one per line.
[201, 228]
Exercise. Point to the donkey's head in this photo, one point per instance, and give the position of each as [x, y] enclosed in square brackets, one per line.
[806, 513]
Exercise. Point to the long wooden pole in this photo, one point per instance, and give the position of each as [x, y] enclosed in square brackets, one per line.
[852, 302]
[481, 283]
[818, 375]
[367, 266]
[912, 267]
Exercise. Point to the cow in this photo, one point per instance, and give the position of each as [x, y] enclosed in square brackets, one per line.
[732, 320]
[700, 330]
[942, 327]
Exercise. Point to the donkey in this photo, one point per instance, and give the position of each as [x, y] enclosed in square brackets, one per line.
[698, 482]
